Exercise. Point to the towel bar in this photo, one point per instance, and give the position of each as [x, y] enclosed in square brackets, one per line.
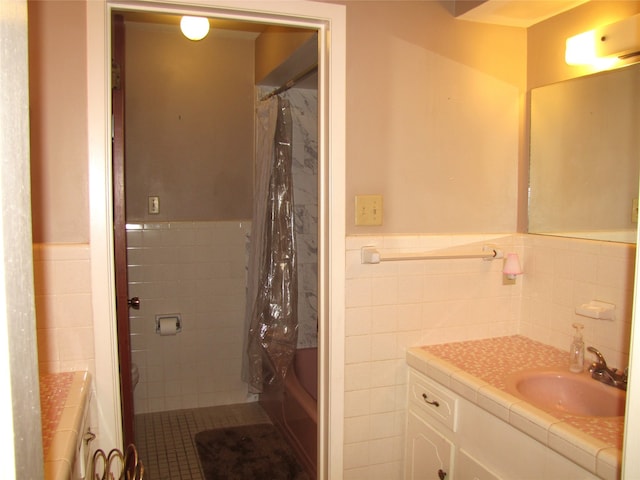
[371, 255]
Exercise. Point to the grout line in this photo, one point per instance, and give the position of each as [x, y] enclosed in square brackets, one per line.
[166, 440]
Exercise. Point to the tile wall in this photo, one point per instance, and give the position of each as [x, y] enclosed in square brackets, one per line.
[564, 273]
[196, 269]
[62, 276]
[395, 305]
[304, 112]
[389, 308]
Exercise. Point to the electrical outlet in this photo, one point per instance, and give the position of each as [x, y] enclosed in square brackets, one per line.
[634, 210]
[368, 210]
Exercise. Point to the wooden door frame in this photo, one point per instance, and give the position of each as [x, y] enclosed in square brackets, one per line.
[119, 229]
[330, 21]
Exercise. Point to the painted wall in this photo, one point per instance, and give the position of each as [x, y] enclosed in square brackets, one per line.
[429, 74]
[275, 45]
[391, 114]
[420, 88]
[58, 106]
[189, 124]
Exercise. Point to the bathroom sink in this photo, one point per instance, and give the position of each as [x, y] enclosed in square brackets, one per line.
[566, 392]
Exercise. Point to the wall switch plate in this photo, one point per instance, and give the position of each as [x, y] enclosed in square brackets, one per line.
[369, 210]
[154, 205]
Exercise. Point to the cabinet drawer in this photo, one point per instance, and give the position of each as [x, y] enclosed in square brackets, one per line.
[428, 397]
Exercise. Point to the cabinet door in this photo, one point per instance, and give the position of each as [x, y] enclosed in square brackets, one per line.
[429, 455]
[470, 468]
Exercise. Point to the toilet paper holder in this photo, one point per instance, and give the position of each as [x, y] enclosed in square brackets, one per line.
[171, 318]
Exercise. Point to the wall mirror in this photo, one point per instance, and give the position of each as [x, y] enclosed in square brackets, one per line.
[584, 156]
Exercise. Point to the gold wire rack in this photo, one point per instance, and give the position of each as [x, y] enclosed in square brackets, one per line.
[116, 465]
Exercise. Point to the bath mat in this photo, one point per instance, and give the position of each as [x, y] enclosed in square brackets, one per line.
[247, 452]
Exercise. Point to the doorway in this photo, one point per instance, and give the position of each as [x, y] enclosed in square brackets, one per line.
[326, 18]
[189, 130]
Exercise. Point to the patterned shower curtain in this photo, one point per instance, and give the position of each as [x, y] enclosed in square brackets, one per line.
[272, 291]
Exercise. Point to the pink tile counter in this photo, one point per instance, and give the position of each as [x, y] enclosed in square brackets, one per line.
[64, 401]
[477, 370]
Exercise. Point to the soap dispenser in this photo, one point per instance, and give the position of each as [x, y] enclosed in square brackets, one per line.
[576, 352]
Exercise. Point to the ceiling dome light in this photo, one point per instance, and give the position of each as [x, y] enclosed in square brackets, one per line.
[194, 28]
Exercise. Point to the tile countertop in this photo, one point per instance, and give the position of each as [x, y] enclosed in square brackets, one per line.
[64, 398]
[477, 369]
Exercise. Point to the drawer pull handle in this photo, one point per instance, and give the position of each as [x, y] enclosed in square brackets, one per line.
[430, 402]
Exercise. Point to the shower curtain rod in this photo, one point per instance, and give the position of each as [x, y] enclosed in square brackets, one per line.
[292, 82]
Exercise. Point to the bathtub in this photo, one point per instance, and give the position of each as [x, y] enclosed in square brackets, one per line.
[294, 408]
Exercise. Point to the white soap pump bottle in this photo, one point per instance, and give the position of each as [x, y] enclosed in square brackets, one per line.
[576, 352]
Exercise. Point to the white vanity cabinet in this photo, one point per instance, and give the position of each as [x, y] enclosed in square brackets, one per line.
[429, 454]
[432, 421]
[451, 438]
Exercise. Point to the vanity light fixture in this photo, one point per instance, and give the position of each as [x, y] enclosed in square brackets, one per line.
[194, 28]
[512, 266]
[605, 46]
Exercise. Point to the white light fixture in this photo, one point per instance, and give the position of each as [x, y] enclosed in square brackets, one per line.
[581, 49]
[620, 39]
[512, 266]
[194, 28]
[604, 46]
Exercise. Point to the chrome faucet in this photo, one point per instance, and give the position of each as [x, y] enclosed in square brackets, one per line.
[601, 372]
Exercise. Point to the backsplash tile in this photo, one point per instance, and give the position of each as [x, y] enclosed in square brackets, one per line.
[395, 305]
[64, 318]
[562, 273]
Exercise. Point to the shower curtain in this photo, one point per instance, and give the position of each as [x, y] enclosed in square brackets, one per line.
[272, 287]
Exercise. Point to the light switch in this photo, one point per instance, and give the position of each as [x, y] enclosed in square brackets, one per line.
[369, 210]
[154, 205]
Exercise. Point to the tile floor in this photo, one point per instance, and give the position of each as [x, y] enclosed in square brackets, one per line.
[165, 440]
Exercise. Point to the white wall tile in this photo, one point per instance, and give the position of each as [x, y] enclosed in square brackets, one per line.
[402, 304]
[62, 278]
[196, 269]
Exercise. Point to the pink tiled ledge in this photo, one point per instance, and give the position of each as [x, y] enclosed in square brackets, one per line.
[64, 398]
[477, 369]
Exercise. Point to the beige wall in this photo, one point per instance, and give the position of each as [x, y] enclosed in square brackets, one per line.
[275, 45]
[432, 118]
[58, 110]
[189, 124]
[419, 86]
[402, 59]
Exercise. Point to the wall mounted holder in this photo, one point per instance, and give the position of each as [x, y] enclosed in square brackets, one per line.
[371, 255]
[597, 309]
[168, 324]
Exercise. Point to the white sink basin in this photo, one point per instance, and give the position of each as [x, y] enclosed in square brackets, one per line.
[566, 392]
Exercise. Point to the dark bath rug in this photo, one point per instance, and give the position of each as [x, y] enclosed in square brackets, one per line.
[246, 453]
